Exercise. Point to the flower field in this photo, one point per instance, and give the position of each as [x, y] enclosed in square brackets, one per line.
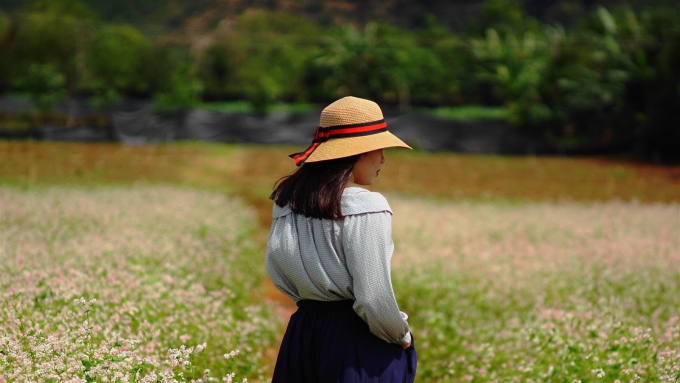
[542, 292]
[122, 263]
[139, 283]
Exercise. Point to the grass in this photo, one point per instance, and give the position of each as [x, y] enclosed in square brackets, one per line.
[252, 170]
[468, 112]
[247, 107]
[511, 268]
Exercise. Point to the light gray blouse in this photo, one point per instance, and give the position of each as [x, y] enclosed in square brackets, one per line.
[330, 260]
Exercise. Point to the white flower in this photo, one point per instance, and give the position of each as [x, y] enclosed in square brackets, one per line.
[599, 372]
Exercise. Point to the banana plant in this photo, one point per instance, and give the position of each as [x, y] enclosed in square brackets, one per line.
[375, 62]
[353, 60]
[515, 68]
[593, 67]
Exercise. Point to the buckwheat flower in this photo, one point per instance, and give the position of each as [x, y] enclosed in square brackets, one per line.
[200, 348]
[598, 372]
[151, 378]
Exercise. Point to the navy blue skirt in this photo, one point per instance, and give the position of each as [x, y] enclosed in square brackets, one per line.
[327, 342]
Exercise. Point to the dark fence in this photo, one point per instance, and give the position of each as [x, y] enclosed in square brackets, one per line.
[135, 122]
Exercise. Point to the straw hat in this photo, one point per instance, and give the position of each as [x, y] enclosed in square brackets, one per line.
[348, 127]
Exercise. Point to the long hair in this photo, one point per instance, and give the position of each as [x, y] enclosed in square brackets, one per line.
[315, 190]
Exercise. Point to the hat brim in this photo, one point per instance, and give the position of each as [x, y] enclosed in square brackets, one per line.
[351, 146]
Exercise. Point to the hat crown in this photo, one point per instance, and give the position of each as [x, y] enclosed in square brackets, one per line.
[350, 110]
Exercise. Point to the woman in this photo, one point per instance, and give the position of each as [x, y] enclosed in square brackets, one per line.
[329, 250]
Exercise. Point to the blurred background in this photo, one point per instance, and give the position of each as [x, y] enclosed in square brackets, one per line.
[536, 223]
[497, 76]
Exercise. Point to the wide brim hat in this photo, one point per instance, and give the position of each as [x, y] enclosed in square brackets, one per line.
[348, 127]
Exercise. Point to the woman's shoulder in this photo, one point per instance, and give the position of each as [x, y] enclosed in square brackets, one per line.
[357, 200]
[280, 211]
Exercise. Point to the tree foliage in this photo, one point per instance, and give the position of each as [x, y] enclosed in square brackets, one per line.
[613, 74]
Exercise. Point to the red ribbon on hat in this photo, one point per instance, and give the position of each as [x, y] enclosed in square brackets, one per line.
[340, 131]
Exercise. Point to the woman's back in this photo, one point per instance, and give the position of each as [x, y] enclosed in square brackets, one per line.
[306, 257]
[331, 260]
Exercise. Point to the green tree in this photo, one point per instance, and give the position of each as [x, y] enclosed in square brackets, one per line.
[515, 68]
[261, 57]
[43, 84]
[378, 62]
[440, 66]
[591, 73]
[504, 16]
[116, 59]
[351, 64]
[176, 83]
[216, 70]
[6, 58]
[51, 33]
[661, 89]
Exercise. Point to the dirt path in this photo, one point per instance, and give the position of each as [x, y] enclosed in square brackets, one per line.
[280, 304]
[252, 190]
[263, 208]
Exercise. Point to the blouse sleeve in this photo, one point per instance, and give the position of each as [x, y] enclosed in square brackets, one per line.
[368, 246]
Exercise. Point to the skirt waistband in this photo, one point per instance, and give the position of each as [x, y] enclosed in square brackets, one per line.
[325, 305]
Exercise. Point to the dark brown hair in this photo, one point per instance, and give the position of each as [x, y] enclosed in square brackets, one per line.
[316, 188]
